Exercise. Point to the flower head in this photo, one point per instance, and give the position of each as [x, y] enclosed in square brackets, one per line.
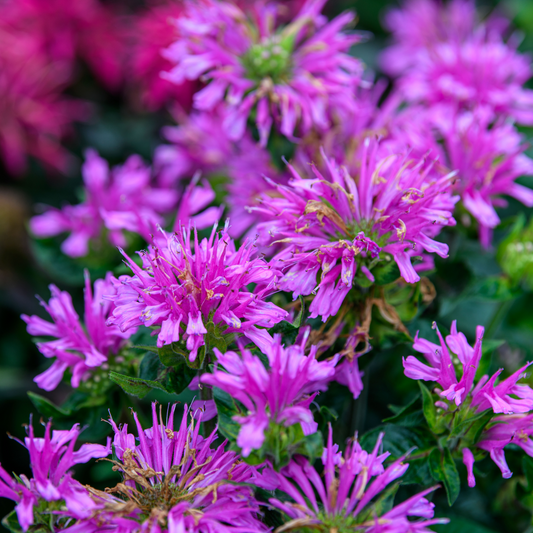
[295, 75]
[183, 287]
[488, 156]
[280, 394]
[341, 224]
[51, 458]
[456, 352]
[342, 500]
[466, 66]
[151, 33]
[66, 32]
[117, 200]
[175, 478]
[200, 143]
[82, 349]
[510, 400]
[36, 116]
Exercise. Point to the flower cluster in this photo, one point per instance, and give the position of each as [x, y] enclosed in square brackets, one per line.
[345, 495]
[118, 200]
[181, 286]
[280, 394]
[51, 457]
[176, 479]
[341, 224]
[298, 75]
[82, 350]
[200, 143]
[465, 88]
[509, 398]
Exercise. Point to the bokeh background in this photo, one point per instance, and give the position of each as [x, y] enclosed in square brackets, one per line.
[117, 120]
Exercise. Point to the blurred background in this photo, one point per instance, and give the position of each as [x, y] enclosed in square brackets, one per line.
[89, 74]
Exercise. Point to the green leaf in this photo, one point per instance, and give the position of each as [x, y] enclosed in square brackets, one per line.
[311, 446]
[226, 409]
[178, 379]
[215, 338]
[386, 271]
[430, 412]
[150, 367]
[297, 322]
[442, 467]
[135, 386]
[11, 523]
[409, 415]
[172, 355]
[47, 408]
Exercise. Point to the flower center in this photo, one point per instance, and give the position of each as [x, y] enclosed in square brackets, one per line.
[268, 59]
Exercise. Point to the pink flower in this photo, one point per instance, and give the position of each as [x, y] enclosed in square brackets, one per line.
[118, 200]
[342, 225]
[67, 31]
[466, 66]
[80, 349]
[488, 156]
[51, 458]
[153, 31]
[182, 285]
[35, 115]
[280, 394]
[294, 76]
[485, 394]
[189, 485]
[341, 498]
[200, 143]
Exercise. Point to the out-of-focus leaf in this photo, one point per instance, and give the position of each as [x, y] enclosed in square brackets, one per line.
[11, 523]
[410, 415]
[47, 408]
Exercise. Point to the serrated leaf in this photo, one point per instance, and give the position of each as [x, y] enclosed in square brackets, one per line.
[135, 386]
[149, 368]
[442, 467]
[179, 378]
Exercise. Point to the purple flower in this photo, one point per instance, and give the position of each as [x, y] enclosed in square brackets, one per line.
[280, 394]
[297, 75]
[510, 429]
[182, 288]
[117, 200]
[51, 457]
[485, 394]
[488, 156]
[343, 498]
[200, 143]
[177, 480]
[420, 24]
[342, 225]
[82, 349]
[465, 67]
[508, 397]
